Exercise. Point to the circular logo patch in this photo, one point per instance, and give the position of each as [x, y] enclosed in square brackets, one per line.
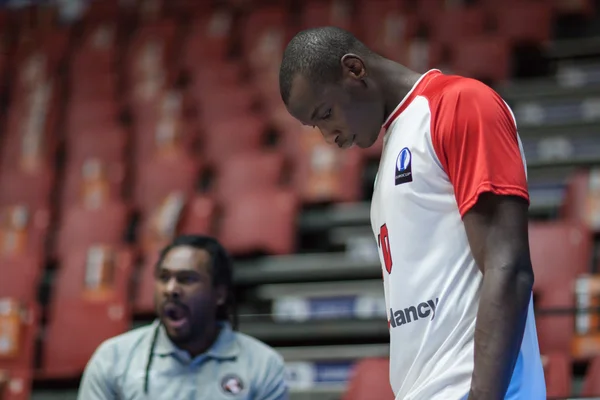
[232, 384]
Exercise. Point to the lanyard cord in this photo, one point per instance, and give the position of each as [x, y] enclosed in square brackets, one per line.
[150, 356]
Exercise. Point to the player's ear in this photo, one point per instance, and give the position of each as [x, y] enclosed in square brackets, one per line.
[353, 66]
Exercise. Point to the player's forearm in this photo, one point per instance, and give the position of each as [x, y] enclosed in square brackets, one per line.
[501, 319]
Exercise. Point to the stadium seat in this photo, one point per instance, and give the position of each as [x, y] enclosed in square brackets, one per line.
[199, 216]
[560, 251]
[30, 189]
[458, 23]
[317, 13]
[209, 39]
[323, 173]
[158, 178]
[483, 58]
[23, 230]
[527, 22]
[65, 354]
[160, 225]
[579, 7]
[370, 380]
[582, 199]
[106, 142]
[93, 183]
[248, 172]
[220, 105]
[21, 321]
[557, 371]
[249, 226]
[20, 277]
[233, 136]
[97, 273]
[591, 384]
[85, 114]
[265, 33]
[82, 227]
[15, 384]
[144, 294]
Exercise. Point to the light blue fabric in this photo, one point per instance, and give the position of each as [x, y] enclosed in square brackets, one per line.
[236, 367]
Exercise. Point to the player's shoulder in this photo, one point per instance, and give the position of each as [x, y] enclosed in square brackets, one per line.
[452, 88]
[258, 349]
[125, 342]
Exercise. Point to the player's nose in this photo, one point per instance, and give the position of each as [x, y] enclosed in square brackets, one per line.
[330, 136]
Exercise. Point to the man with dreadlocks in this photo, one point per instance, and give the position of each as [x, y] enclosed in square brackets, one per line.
[191, 351]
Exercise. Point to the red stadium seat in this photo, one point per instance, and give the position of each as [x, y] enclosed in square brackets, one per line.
[17, 385]
[82, 227]
[198, 217]
[525, 21]
[557, 370]
[20, 277]
[83, 115]
[250, 226]
[233, 136]
[559, 252]
[105, 142]
[227, 101]
[327, 13]
[247, 172]
[484, 58]
[22, 322]
[265, 34]
[215, 75]
[144, 294]
[458, 23]
[323, 173]
[164, 137]
[591, 384]
[93, 183]
[65, 354]
[578, 7]
[160, 225]
[30, 189]
[582, 200]
[209, 39]
[158, 178]
[97, 273]
[370, 380]
[23, 231]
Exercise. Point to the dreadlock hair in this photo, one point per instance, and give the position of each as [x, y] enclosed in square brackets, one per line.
[221, 270]
[316, 53]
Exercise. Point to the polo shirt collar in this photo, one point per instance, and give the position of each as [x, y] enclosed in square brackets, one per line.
[225, 347]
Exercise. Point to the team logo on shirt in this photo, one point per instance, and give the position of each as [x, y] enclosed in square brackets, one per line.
[404, 167]
[232, 384]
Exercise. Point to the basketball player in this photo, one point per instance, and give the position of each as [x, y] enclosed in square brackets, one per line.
[449, 213]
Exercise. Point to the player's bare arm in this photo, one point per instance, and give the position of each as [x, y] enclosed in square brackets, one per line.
[497, 231]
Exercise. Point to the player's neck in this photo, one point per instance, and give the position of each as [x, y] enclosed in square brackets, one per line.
[395, 81]
[204, 342]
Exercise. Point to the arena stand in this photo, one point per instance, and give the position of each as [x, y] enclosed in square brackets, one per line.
[140, 121]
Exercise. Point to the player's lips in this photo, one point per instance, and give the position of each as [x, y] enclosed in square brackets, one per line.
[175, 315]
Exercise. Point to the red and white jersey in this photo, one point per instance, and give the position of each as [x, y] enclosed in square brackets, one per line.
[448, 141]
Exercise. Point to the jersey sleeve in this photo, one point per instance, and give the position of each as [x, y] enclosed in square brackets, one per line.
[475, 138]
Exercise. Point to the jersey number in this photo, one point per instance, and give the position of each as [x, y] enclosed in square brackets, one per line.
[383, 241]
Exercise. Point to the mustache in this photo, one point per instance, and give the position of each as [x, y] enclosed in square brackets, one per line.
[171, 303]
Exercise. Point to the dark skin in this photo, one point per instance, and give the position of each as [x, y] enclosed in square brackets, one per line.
[184, 286]
[352, 111]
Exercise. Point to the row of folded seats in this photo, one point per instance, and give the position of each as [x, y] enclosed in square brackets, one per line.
[92, 292]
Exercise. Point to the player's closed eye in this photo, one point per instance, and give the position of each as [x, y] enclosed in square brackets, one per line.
[327, 115]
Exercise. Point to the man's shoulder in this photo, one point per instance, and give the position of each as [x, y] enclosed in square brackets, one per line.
[258, 348]
[454, 87]
[127, 341]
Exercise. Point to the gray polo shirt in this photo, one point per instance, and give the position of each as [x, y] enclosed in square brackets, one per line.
[236, 367]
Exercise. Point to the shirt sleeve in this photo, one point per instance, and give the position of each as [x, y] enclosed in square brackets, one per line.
[475, 138]
[273, 386]
[98, 382]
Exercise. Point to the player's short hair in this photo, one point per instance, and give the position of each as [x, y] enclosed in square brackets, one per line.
[316, 54]
[221, 268]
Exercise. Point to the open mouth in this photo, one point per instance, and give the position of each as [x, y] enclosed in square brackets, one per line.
[175, 315]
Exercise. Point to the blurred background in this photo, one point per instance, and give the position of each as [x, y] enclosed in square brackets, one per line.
[124, 123]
